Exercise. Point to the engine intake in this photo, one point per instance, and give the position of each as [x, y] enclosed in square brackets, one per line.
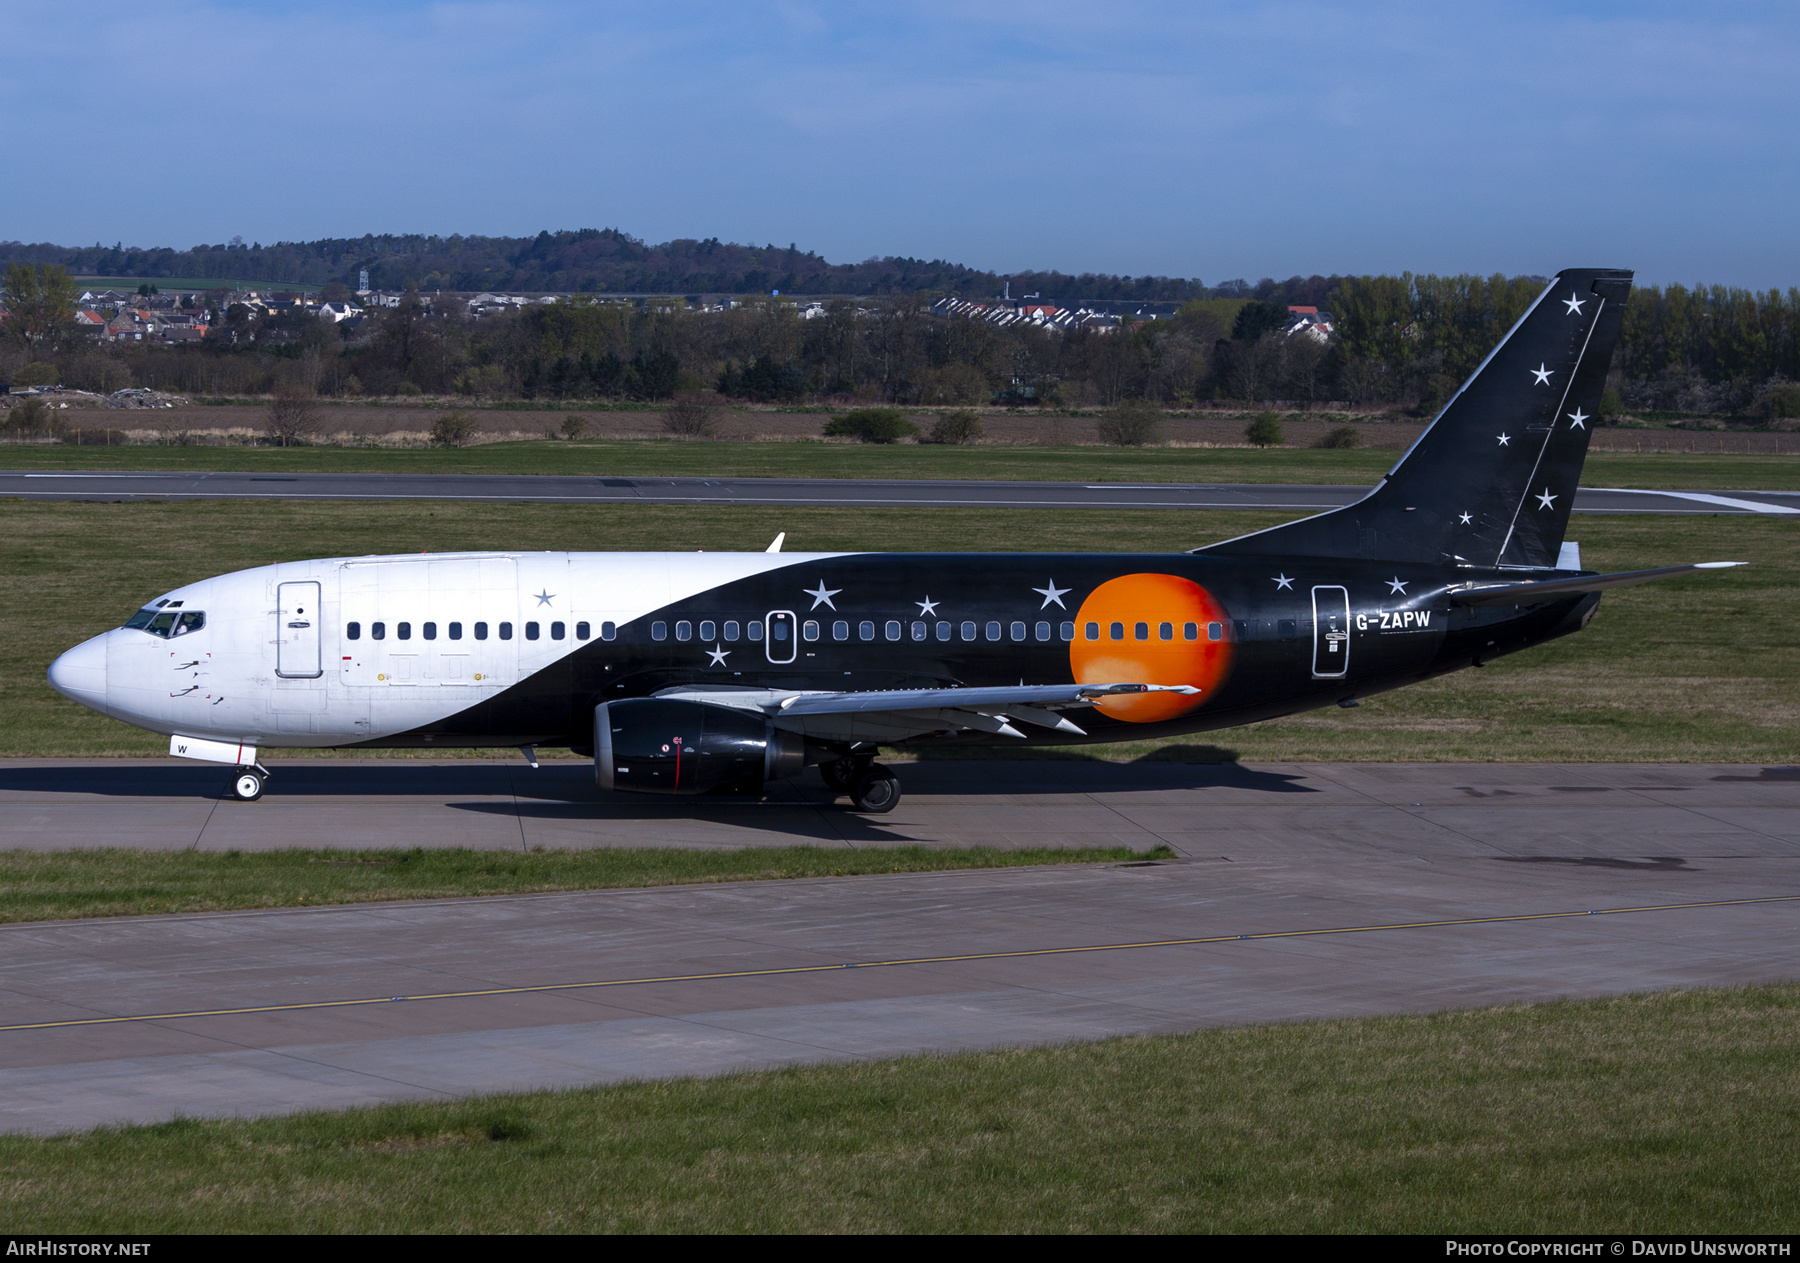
[663, 745]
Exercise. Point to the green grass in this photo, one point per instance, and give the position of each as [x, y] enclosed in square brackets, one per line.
[673, 459]
[1703, 668]
[50, 885]
[1671, 1113]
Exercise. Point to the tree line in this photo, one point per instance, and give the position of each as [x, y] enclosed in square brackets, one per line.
[1404, 342]
[587, 261]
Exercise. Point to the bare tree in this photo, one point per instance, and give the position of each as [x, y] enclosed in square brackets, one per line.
[292, 416]
[689, 419]
[1131, 423]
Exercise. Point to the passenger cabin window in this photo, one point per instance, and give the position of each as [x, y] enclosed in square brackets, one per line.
[352, 631]
[402, 631]
[918, 631]
[558, 631]
[428, 631]
[531, 631]
[1288, 628]
[754, 629]
[1093, 631]
[1018, 631]
[608, 631]
[1043, 631]
[1068, 631]
[865, 630]
[892, 630]
[455, 630]
[1140, 631]
[684, 630]
[505, 631]
[810, 629]
[993, 631]
[1165, 631]
[481, 630]
[1190, 631]
[1215, 631]
[583, 631]
[377, 631]
[709, 630]
[731, 631]
[659, 631]
[943, 631]
[968, 631]
[840, 630]
[1116, 631]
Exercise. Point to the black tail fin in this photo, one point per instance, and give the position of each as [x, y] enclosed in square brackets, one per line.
[1491, 480]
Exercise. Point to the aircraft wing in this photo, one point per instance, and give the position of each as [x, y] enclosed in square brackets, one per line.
[895, 714]
[1549, 589]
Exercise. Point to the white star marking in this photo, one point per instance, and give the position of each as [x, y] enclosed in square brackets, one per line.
[1573, 304]
[1282, 581]
[1578, 419]
[543, 598]
[822, 595]
[1052, 594]
[1544, 501]
[1395, 585]
[1504, 439]
[927, 606]
[1542, 374]
[717, 655]
[1465, 519]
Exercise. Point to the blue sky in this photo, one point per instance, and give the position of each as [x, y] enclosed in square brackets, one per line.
[1210, 140]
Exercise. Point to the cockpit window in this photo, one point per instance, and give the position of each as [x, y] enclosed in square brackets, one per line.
[166, 622]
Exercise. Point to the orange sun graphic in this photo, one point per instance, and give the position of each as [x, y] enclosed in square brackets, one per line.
[1151, 629]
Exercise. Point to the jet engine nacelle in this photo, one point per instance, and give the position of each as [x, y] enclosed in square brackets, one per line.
[663, 745]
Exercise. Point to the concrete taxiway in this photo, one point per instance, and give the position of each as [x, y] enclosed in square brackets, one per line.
[818, 492]
[1300, 891]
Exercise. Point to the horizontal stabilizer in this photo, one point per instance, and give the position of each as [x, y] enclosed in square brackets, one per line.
[1550, 589]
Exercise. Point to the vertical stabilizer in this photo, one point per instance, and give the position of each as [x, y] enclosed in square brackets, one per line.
[1491, 480]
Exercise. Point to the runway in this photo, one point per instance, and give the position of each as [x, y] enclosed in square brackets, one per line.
[819, 492]
[1300, 891]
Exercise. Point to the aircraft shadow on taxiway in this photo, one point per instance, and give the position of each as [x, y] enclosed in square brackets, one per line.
[562, 784]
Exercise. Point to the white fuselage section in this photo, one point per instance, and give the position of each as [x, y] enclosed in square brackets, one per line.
[346, 650]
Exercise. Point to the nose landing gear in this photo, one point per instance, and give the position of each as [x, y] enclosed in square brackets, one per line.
[247, 786]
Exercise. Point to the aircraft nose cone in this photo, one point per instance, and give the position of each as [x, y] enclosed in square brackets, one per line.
[80, 674]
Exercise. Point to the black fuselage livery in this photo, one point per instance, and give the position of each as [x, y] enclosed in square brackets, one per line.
[692, 672]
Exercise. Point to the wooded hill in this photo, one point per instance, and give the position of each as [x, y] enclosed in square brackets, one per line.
[591, 261]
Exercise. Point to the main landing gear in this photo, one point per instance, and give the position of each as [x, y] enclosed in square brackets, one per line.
[247, 786]
[872, 788]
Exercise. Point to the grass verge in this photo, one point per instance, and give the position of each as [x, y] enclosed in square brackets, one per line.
[1698, 669]
[674, 459]
[112, 882]
[1670, 1113]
